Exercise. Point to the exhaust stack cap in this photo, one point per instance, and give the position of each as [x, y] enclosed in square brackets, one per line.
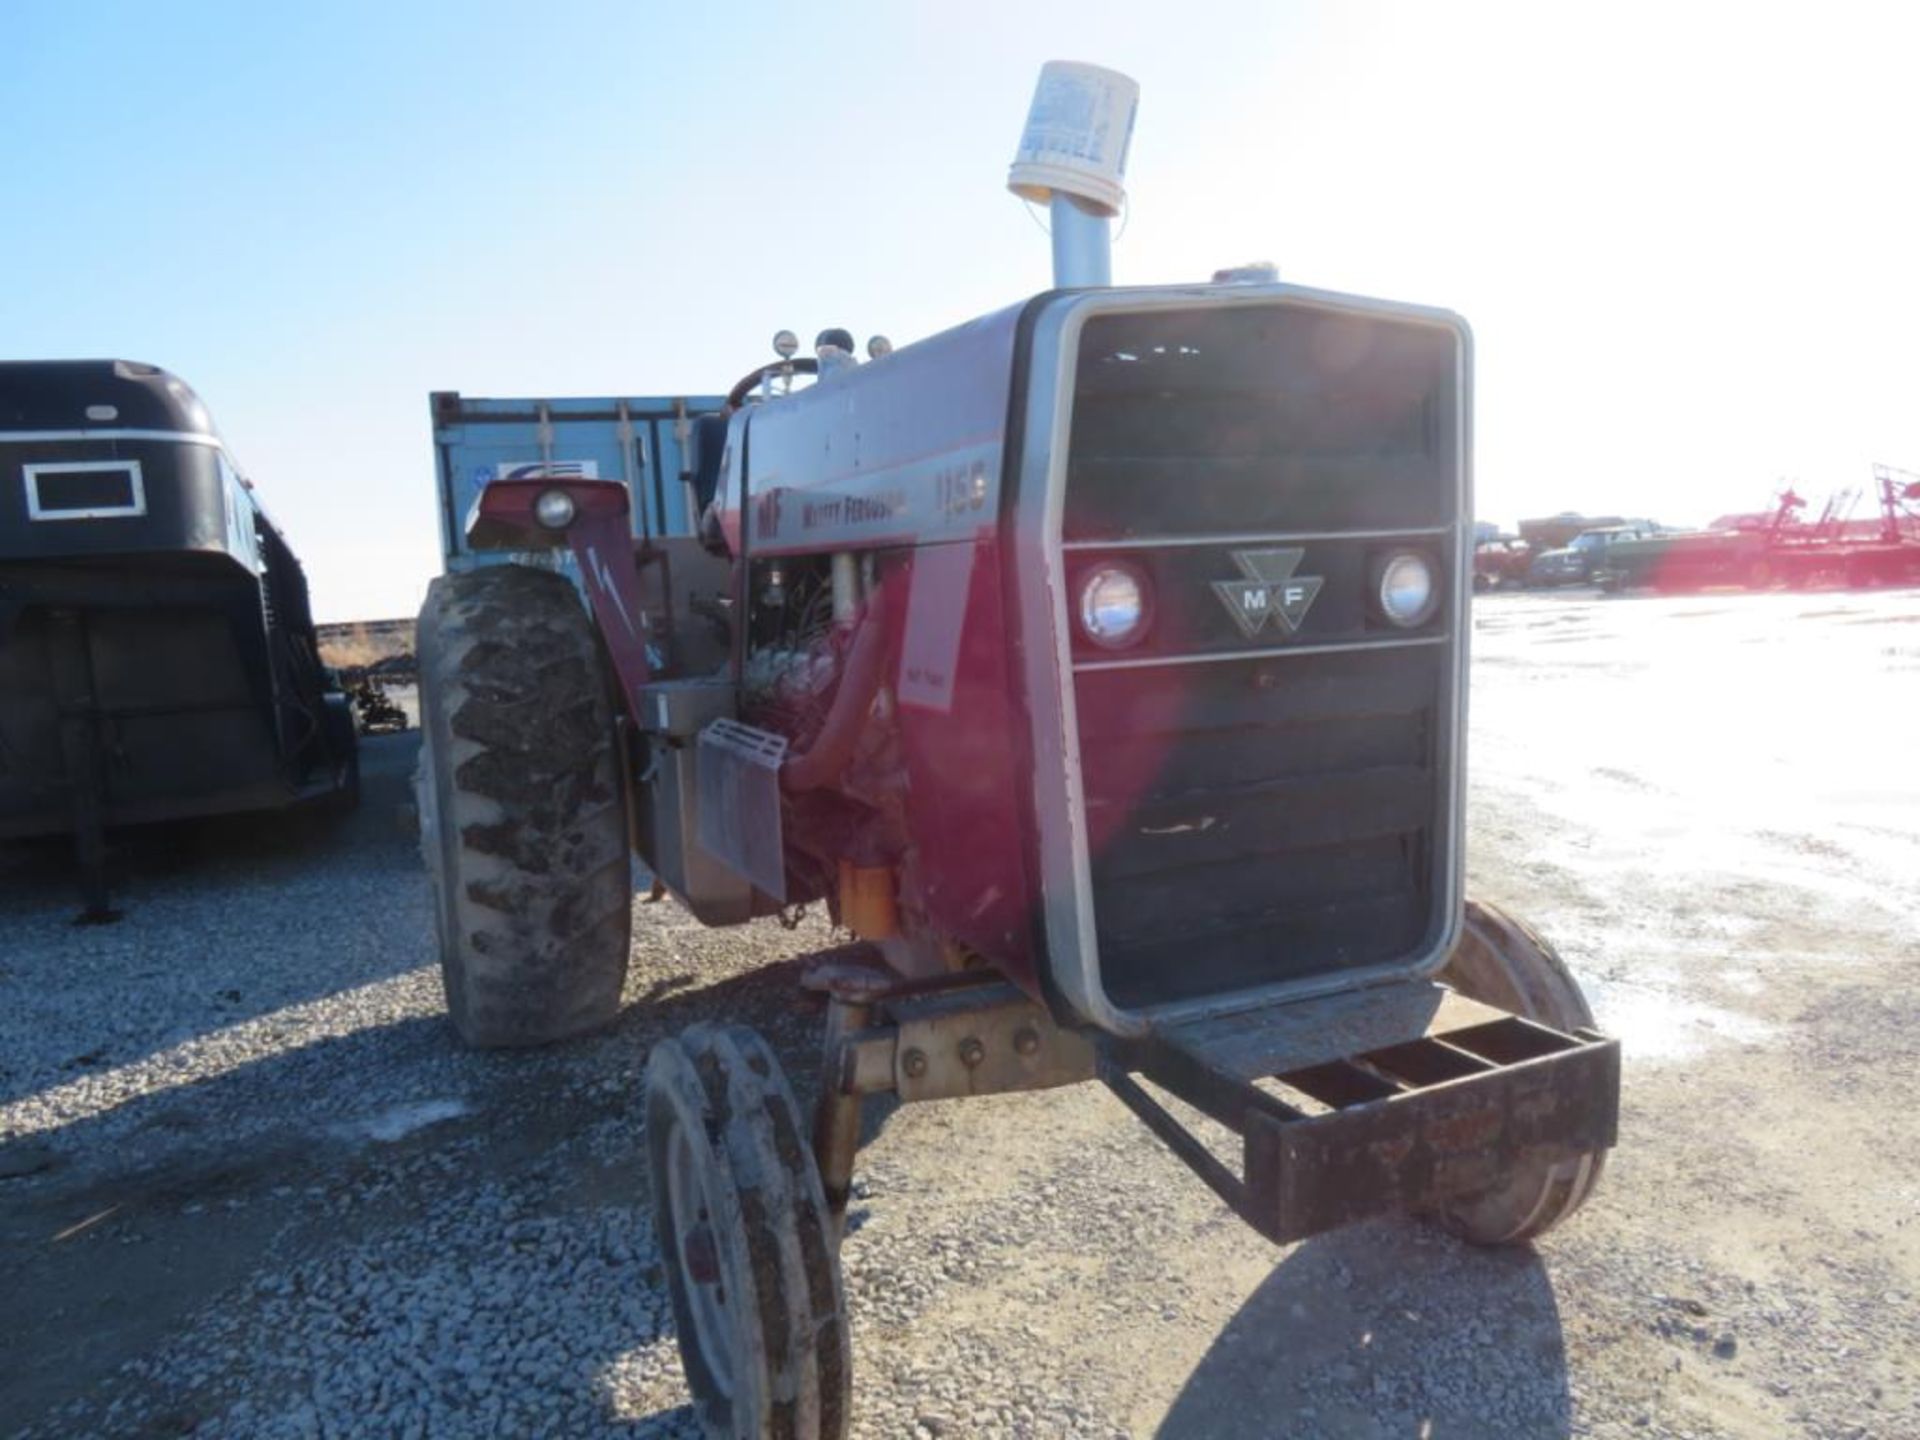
[1078, 131]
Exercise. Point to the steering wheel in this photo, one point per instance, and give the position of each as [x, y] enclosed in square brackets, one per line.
[737, 396]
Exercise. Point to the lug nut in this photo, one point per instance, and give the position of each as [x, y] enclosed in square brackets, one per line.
[972, 1052]
[914, 1062]
[1026, 1040]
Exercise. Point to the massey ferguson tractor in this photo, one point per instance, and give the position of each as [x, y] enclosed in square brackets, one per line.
[1100, 664]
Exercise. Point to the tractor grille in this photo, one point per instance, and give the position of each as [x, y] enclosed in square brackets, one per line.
[1264, 802]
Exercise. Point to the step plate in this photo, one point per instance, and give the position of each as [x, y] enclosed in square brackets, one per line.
[1248, 1044]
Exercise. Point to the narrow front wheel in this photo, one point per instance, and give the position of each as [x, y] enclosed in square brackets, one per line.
[1502, 961]
[746, 1237]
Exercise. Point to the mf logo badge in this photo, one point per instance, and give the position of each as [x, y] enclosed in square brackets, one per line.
[1269, 589]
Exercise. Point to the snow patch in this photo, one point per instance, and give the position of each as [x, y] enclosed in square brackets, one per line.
[1655, 1025]
[396, 1122]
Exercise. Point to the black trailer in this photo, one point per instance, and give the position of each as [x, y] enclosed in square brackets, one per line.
[157, 654]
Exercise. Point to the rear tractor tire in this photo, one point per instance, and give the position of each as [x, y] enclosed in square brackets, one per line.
[747, 1240]
[523, 811]
[1503, 961]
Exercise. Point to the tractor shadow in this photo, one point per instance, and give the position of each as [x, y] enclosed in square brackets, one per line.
[173, 1203]
[145, 1212]
[1385, 1331]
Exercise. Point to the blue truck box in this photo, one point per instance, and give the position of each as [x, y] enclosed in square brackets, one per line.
[640, 440]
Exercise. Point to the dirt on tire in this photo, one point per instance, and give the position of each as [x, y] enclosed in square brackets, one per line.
[722, 1087]
[523, 821]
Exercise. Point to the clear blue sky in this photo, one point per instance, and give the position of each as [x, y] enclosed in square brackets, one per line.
[1686, 236]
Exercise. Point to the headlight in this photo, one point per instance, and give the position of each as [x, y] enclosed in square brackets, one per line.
[1114, 605]
[554, 509]
[1408, 592]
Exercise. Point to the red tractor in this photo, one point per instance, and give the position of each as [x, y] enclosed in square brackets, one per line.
[1101, 665]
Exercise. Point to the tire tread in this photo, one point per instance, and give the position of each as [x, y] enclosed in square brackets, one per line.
[524, 828]
[798, 1350]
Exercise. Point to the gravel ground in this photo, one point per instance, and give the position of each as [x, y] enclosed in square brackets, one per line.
[252, 1188]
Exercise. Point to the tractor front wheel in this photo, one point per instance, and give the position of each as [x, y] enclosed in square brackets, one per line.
[1502, 961]
[523, 811]
[747, 1240]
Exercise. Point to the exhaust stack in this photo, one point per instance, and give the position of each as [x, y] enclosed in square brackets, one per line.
[1073, 157]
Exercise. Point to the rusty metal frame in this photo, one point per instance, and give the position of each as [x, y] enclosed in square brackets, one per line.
[962, 1035]
[1421, 1145]
[989, 1039]
[1404, 1124]
[1346, 1107]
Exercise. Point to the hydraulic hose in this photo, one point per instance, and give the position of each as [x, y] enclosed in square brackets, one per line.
[823, 761]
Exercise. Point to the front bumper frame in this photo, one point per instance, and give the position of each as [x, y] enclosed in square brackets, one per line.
[1370, 1103]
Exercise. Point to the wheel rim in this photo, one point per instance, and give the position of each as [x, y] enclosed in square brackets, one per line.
[698, 1259]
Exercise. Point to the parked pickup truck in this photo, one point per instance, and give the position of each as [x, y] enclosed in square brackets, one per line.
[1576, 564]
